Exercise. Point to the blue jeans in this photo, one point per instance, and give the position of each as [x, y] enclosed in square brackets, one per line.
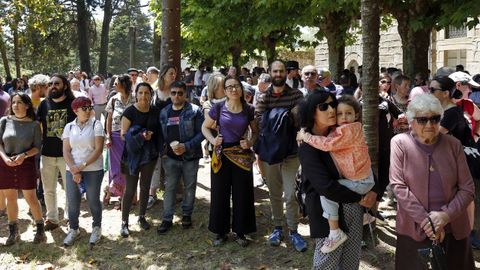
[330, 208]
[93, 181]
[174, 171]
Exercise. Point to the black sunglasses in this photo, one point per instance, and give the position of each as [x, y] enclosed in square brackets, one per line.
[310, 73]
[433, 120]
[177, 93]
[87, 108]
[324, 106]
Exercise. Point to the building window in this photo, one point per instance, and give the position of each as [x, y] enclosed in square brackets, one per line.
[454, 32]
[455, 57]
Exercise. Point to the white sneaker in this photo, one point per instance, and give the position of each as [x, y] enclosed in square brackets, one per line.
[96, 235]
[331, 244]
[71, 237]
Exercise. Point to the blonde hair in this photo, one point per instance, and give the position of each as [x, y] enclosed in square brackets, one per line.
[214, 82]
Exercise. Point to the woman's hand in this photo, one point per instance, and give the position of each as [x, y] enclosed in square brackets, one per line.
[77, 178]
[18, 159]
[439, 219]
[245, 144]
[75, 170]
[368, 201]
[147, 135]
[108, 142]
[10, 162]
[218, 140]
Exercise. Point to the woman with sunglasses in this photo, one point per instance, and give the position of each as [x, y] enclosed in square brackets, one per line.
[98, 94]
[430, 177]
[140, 129]
[232, 161]
[116, 105]
[318, 116]
[20, 141]
[454, 123]
[82, 150]
[385, 85]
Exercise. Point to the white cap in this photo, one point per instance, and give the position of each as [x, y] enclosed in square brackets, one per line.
[460, 76]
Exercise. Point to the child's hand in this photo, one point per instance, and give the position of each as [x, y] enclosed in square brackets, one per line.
[300, 135]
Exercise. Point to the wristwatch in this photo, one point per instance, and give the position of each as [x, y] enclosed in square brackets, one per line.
[84, 164]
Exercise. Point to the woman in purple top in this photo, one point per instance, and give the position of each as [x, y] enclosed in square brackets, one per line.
[232, 160]
[433, 186]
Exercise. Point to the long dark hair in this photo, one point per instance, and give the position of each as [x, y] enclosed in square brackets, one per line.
[68, 89]
[26, 100]
[306, 112]
[126, 82]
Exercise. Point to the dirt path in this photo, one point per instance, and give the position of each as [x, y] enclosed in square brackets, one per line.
[179, 249]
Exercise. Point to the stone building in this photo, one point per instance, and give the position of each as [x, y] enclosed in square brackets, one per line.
[449, 47]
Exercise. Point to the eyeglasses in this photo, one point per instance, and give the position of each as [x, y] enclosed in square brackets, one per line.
[133, 75]
[385, 82]
[433, 120]
[230, 88]
[433, 89]
[324, 106]
[97, 79]
[176, 93]
[310, 74]
[87, 108]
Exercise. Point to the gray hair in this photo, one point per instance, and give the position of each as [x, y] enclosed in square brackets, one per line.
[423, 103]
[265, 77]
[37, 80]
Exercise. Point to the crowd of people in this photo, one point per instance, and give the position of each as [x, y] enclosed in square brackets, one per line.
[301, 129]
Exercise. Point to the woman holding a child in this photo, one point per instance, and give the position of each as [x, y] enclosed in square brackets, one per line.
[320, 178]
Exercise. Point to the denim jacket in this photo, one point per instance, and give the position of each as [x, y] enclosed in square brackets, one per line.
[138, 152]
[190, 126]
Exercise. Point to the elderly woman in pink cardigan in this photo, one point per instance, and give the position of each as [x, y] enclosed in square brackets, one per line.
[431, 180]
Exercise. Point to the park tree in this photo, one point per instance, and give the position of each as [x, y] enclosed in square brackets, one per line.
[170, 38]
[129, 15]
[334, 21]
[370, 37]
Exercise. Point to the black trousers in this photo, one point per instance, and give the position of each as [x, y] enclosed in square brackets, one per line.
[236, 182]
[459, 253]
[145, 175]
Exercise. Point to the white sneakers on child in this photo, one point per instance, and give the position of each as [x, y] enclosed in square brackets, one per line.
[332, 243]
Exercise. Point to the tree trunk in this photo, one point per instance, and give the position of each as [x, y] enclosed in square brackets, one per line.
[170, 40]
[371, 38]
[3, 51]
[335, 31]
[132, 35]
[271, 46]
[16, 52]
[82, 33]
[236, 52]
[415, 45]
[157, 45]
[107, 18]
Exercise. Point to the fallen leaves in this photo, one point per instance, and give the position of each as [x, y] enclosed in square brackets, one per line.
[23, 258]
[132, 256]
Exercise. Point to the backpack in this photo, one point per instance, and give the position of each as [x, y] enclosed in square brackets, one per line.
[277, 136]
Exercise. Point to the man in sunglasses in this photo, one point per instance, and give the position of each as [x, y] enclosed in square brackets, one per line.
[54, 113]
[278, 99]
[309, 78]
[133, 72]
[181, 124]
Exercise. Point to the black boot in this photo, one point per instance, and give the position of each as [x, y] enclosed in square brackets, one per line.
[13, 235]
[40, 234]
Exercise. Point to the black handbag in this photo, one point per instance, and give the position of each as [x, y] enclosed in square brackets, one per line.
[434, 256]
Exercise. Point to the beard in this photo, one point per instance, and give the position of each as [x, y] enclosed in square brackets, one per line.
[279, 81]
[55, 94]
